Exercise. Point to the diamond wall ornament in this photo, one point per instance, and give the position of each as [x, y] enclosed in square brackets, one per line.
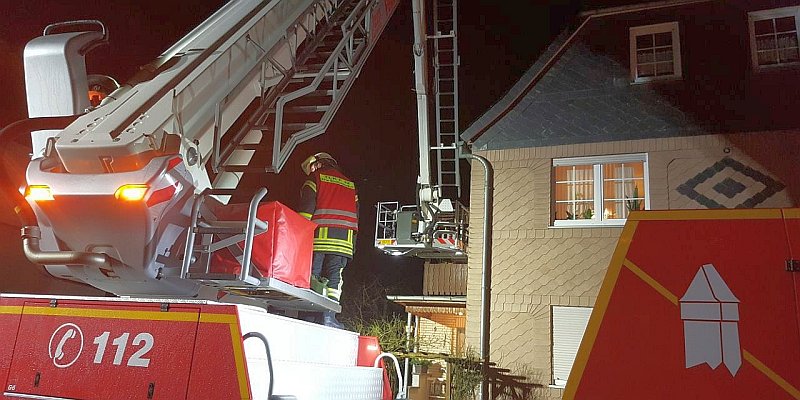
[730, 187]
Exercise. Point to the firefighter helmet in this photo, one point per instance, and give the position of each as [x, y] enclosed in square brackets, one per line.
[306, 165]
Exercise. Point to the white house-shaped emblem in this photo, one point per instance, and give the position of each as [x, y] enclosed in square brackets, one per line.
[710, 314]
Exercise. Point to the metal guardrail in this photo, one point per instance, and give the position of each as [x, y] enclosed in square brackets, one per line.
[346, 58]
[249, 233]
[306, 25]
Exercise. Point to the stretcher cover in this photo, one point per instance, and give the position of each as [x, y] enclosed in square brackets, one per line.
[283, 252]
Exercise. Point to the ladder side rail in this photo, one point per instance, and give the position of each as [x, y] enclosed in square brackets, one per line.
[221, 56]
[188, 251]
[307, 22]
[141, 109]
[326, 68]
[225, 70]
[353, 60]
[437, 88]
[445, 45]
[456, 129]
[302, 29]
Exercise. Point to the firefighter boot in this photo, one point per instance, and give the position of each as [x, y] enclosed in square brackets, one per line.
[319, 284]
[329, 319]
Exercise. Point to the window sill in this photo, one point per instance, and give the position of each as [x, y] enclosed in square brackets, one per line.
[766, 69]
[551, 386]
[665, 79]
[596, 225]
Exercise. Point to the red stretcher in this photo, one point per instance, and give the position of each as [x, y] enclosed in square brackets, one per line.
[283, 252]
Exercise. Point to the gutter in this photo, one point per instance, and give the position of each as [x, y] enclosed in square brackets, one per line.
[590, 16]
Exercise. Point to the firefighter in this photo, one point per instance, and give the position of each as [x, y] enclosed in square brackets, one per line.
[328, 198]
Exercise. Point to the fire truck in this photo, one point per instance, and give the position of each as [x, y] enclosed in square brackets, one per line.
[128, 190]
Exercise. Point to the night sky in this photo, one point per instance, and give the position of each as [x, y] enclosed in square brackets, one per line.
[373, 135]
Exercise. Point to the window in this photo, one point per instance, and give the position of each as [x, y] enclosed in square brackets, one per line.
[773, 37]
[655, 52]
[616, 185]
[569, 324]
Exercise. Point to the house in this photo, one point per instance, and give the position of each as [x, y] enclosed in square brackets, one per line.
[679, 104]
[438, 323]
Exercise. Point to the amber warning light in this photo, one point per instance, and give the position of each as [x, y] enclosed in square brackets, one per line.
[131, 192]
[39, 193]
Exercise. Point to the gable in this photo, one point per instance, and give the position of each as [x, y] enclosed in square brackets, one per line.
[588, 96]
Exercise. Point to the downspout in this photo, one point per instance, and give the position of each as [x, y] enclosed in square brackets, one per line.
[406, 362]
[486, 270]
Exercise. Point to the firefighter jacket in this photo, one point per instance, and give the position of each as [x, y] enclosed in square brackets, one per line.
[329, 199]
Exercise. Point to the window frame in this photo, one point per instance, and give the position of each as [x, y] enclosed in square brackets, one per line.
[561, 383]
[772, 13]
[597, 162]
[677, 65]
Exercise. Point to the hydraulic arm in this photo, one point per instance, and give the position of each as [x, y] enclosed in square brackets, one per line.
[436, 226]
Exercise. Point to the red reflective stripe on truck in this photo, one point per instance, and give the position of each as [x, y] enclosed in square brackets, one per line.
[161, 195]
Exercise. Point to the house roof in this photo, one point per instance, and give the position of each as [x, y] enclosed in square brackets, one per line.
[636, 7]
[522, 93]
[430, 301]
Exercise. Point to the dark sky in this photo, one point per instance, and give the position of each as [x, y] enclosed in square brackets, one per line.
[374, 133]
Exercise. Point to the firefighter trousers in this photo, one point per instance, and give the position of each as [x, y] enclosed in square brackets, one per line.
[330, 266]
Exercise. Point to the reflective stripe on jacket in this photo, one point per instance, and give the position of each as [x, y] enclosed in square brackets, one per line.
[335, 200]
[335, 240]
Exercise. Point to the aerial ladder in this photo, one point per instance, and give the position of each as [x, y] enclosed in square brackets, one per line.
[435, 226]
[124, 194]
[235, 96]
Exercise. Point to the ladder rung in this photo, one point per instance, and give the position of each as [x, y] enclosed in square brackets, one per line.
[245, 169]
[223, 192]
[230, 227]
[287, 125]
[321, 93]
[307, 109]
[307, 78]
[233, 278]
[250, 146]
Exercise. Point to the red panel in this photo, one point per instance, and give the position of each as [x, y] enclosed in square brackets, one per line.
[10, 313]
[215, 374]
[639, 347]
[368, 350]
[92, 350]
[792, 219]
[283, 252]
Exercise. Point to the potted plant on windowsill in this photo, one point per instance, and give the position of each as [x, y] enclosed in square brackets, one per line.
[634, 203]
[582, 211]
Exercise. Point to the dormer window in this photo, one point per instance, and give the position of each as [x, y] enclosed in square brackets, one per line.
[655, 52]
[773, 37]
